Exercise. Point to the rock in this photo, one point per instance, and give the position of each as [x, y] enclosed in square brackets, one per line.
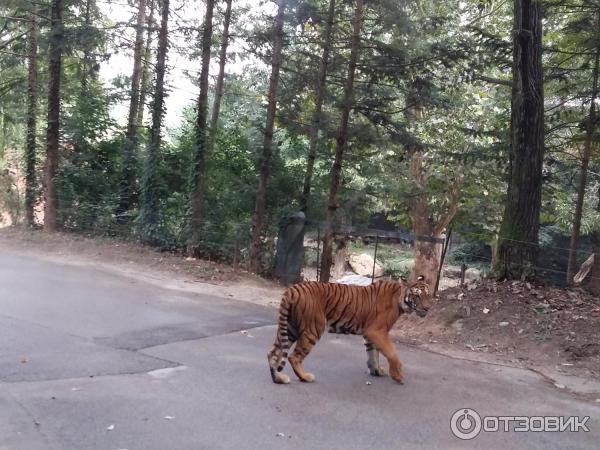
[504, 324]
[363, 265]
[485, 310]
[472, 274]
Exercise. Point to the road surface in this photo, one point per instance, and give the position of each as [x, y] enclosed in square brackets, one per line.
[90, 359]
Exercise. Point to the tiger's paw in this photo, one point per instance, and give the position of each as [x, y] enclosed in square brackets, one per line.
[279, 377]
[307, 377]
[397, 376]
[378, 372]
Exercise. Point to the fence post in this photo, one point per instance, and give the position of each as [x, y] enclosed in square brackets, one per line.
[444, 249]
[318, 245]
[235, 253]
[375, 258]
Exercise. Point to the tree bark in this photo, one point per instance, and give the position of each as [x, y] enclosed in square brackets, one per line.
[428, 255]
[587, 153]
[341, 142]
[518, 237]
[53, 131]
[317, 113]
[201, 144]
[145, 65]
[265, 160]
[150, 184]
[216, 108]
[30, 138]
[128, 186]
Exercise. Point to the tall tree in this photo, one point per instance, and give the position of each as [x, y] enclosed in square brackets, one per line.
[265, 160]
[318, 111]
[216, 108]
[128, 189]
[587, 154]
[56, 41]
[149, 215]
[145, 67]
[202, 136]
[518, 237]
[341, 142]
[30, 139]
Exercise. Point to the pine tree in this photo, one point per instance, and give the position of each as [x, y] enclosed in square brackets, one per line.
[341, 142]
[149, 214]
[518, 239]
[32, 94]
[202, 136]
[260, 207]
[53, 131]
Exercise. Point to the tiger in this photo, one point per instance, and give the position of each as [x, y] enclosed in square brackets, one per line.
[310, 308]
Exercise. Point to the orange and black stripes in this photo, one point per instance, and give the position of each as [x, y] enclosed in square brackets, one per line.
[308, 309]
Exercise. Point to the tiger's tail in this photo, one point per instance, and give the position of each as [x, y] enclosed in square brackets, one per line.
[279, 352]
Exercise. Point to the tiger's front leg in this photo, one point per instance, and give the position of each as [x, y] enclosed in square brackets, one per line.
[373, 360]
[384, 344]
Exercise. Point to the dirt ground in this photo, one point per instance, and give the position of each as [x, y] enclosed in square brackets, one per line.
[552, 331]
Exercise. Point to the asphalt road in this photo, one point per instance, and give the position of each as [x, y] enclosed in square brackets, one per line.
[93, 360]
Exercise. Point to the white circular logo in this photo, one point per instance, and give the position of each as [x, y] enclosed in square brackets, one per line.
[465, 423]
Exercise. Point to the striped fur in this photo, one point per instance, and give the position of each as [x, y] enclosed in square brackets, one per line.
[309, 309]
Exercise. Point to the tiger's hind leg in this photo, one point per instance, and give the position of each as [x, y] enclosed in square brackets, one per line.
[373, 360]
[303, 347]
[276, 359]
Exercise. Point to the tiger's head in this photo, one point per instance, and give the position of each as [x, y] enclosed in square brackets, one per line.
[417, 297]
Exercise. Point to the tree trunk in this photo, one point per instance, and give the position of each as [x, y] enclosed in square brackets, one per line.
[145, 65]
[428, 255]
[265, 160]
[341, 142]
[518, 239]
[216, 108]
[32, 96]
[317, 113]
[587, 153]
[128, 189]
[53, 131]
[199, 167]
[150, 184]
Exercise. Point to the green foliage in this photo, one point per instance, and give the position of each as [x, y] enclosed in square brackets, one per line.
[432, 57]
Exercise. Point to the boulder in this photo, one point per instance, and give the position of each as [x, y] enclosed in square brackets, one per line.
[362, 264]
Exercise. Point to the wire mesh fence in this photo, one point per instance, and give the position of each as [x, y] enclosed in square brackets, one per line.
[389, 253]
